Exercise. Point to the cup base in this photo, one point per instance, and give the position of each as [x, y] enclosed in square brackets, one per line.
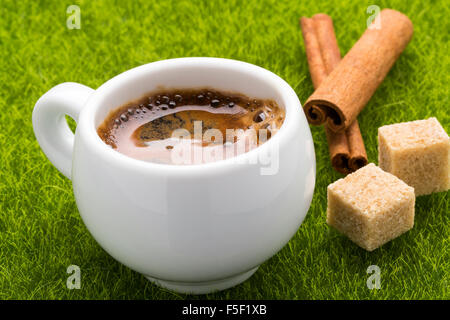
[203, 287]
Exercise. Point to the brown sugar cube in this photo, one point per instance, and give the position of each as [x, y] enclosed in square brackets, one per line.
[370, 206]
[418, 153]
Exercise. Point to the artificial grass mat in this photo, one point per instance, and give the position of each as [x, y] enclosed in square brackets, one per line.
[41, 232]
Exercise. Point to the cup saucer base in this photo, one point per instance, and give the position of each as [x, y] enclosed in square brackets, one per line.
[203, 287]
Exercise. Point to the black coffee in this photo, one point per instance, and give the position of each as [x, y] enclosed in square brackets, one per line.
[190, 126]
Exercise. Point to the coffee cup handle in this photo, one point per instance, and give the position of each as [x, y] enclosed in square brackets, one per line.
[50, 126]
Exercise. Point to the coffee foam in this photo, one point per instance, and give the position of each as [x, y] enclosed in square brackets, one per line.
[190, 126]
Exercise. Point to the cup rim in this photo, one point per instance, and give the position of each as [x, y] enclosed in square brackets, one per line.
[292, 105]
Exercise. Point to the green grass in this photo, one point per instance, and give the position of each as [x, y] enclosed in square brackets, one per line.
[41, 232]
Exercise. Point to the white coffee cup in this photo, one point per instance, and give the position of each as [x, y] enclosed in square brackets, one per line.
[188, 228]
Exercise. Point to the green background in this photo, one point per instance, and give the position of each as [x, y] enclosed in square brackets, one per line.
[41, 232]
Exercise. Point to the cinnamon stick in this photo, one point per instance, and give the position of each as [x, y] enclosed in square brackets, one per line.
[348, 88]
[347, 149]
[317, 69]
